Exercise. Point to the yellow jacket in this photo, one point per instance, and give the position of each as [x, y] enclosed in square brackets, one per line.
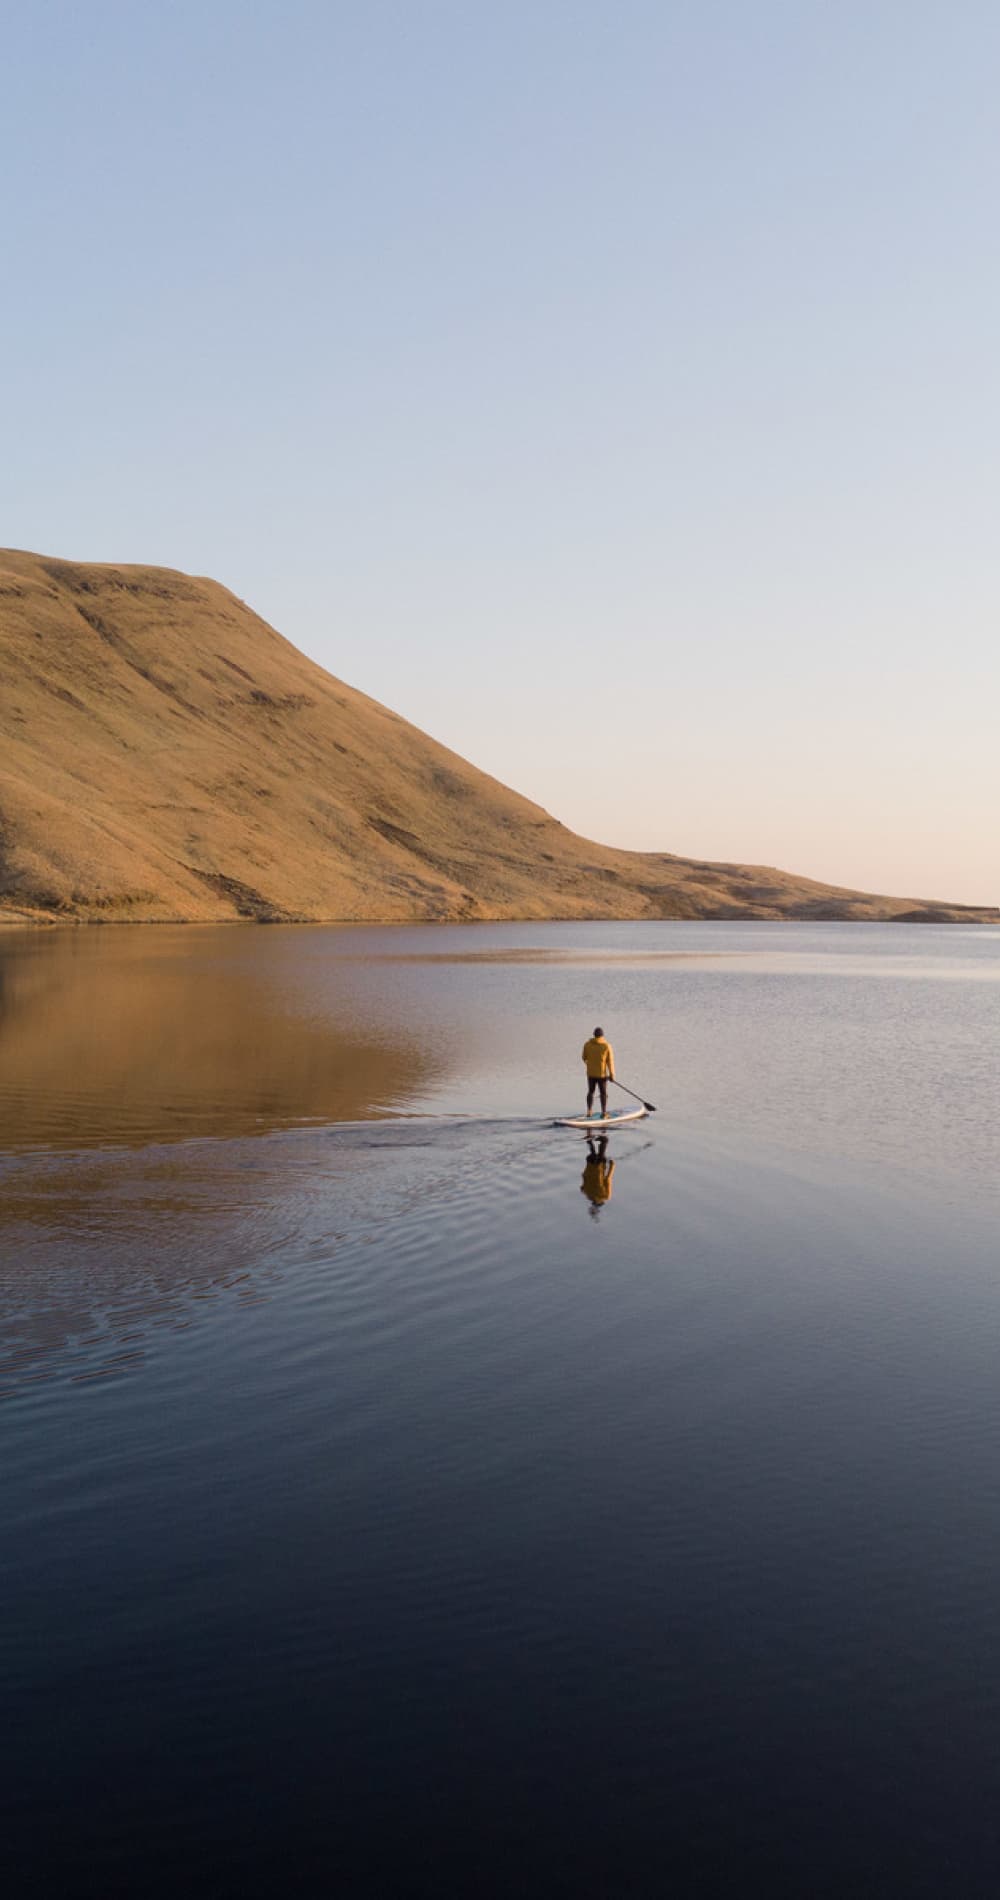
[596, 1183]
[600, 1059]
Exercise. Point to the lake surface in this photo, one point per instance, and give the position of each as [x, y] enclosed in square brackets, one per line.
[405, 1496]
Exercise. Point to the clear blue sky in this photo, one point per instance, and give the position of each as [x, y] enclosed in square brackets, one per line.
[612, 388]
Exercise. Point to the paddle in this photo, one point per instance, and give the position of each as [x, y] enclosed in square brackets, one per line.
[651, 1106]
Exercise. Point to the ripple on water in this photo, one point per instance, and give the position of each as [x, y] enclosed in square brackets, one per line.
[376, 1449]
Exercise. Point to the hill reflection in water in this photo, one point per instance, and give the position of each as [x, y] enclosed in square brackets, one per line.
[135, 1035]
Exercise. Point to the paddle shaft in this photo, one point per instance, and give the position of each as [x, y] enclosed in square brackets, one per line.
[650, 1106]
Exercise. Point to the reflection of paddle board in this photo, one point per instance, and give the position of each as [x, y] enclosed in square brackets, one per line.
[600, 1121]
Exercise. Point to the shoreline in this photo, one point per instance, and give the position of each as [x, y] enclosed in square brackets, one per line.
[947, 917]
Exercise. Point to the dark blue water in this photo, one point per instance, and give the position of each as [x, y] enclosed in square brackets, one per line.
[401, 1499]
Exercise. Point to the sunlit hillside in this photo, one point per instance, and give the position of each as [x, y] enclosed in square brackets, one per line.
[165, 754]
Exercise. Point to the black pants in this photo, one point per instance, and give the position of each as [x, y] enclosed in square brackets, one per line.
[597, 1082]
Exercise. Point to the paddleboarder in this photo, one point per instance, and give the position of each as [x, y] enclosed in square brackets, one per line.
[599, 1062]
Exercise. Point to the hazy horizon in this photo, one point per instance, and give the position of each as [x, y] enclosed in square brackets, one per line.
[612, 392]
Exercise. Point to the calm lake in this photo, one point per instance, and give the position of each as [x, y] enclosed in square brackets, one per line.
[405, 1496]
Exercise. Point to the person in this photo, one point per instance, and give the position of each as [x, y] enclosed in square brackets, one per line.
[599, 1061]
[598, 1170]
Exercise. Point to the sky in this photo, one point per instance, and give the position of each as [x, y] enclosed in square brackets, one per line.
[609, 386]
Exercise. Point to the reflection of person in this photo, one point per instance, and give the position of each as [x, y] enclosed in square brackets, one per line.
[599, 1060]
[596, 1183]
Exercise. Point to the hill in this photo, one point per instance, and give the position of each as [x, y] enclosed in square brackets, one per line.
[165, 754]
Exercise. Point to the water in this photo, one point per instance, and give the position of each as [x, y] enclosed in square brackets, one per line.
[400, 1498]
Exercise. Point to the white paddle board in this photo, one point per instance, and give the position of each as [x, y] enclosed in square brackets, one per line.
[600, 1121]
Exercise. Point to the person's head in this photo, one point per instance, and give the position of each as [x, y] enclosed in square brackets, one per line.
[598, 1032]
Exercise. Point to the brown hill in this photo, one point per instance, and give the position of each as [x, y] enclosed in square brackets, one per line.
[165, 754]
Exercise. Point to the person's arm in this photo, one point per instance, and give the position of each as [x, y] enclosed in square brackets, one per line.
[611, 1063]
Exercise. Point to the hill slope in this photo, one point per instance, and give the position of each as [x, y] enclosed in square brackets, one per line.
[164, 754]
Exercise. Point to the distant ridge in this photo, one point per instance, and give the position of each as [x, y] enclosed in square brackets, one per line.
[166, 755]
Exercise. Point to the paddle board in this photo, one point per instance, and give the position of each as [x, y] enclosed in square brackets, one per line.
[598, 1120]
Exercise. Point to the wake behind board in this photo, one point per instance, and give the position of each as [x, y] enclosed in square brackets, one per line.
[600, 1121]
